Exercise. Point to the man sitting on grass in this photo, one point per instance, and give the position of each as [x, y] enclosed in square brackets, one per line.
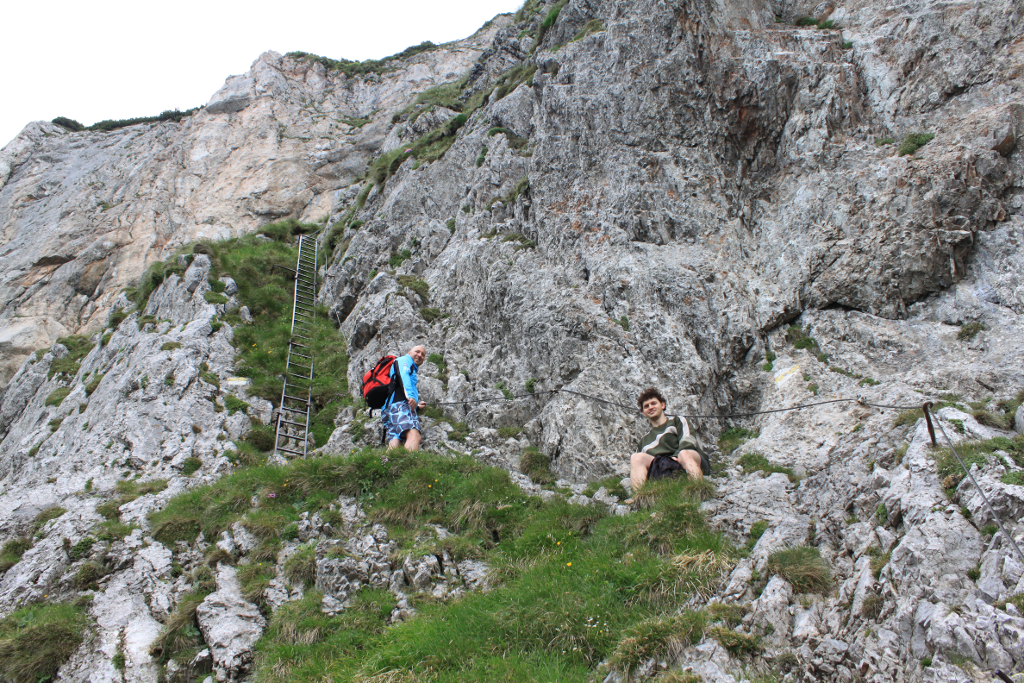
[668, 438]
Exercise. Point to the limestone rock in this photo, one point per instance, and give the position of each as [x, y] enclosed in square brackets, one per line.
[230, 626]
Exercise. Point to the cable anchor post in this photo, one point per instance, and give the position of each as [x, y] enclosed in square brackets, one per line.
[928, 418]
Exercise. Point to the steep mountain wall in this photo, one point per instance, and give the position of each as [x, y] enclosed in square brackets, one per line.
[629, 194]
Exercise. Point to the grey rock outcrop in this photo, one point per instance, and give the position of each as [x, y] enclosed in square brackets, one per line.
[657, 204]
[230, 625]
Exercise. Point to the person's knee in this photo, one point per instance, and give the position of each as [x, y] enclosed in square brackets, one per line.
[639, 459]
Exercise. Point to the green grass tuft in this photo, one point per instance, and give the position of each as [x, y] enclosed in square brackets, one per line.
[57, 397]
[969, 331]
[914, 142]
[803, 567]
[734, 437]
[756, 462]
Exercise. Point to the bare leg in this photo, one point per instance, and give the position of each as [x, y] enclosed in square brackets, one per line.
[690, 460]
[393, 444]
[638, 465]
[412, 440]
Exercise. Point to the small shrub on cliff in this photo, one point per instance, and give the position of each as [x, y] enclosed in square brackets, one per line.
[969, 331]
[35, 641]
[914, 142]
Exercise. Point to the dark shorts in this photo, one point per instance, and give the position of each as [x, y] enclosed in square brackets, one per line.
[398, 419]
[705, 464]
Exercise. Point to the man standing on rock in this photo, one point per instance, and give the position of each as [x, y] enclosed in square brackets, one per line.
[401, 423]
[667, 438]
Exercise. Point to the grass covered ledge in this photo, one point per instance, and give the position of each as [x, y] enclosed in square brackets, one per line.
[571, 583]
[35, 641]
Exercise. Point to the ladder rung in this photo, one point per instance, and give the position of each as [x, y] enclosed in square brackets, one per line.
[295, 398]
[301, 346]
[301, 367]
[308, 379]
[297, 424]
[288, 450]
[301, 337]
[300, 355]
[308, 308]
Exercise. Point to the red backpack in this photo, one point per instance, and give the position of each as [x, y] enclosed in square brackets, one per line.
[378, 383]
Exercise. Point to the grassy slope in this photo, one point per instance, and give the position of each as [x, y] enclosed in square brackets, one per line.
[571, 581]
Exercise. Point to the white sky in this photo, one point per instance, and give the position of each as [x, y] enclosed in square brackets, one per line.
[114, 59]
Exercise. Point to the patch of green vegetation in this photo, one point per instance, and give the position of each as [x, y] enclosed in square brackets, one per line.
[623, 322]
[399, 257]
[969, 331]
[93, 384]
[55, 423]
[355, 122]
[868, 382]
[549, 21]
[757, 530]
[431, 314]
[427, 148]
[482, 157]
[235, 404]
[653, 636]
[82, 548]
[536, 465]
[509, 432]
[212, 297]
[113, 124]
[1015, 478]
[975, 453]
[522, 241]
[531, 385]
[191, 466]
[353, 68]
[510, 197]
[36, 640]
[914, 142]
[169, 379]
[450, 223]
[878, 563]
[415, 284]
[170, 346]
[301, 566]
[516, 142]
[879, 142]
[799, 338]
[847, 45]
[756, 462]
[734, 437]
[569, 581]
[592, 26]
[58, 396]
[500, 386]
[803, 567]
[78, 347]
[12, 551]
[613, 485]
[738, 644]
[45, 516]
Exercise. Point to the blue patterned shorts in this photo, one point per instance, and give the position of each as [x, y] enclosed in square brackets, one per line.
[398, 419]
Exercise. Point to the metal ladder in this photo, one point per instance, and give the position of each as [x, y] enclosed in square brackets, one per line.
[293, 417]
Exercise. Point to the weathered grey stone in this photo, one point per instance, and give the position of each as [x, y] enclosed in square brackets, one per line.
[230, 626]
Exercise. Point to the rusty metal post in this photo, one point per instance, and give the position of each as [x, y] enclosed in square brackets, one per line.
[928, 419]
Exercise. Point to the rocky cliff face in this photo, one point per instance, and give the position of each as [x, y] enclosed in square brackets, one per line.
[634, 194]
